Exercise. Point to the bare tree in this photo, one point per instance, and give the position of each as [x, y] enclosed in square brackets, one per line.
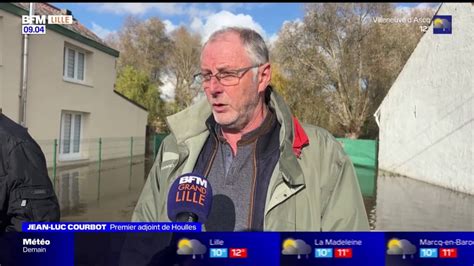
[342, 61]
[183, 64]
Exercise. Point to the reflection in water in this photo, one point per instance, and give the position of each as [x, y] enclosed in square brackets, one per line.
[405, 204]
[84, 194]
[369, 203]
[68, 192]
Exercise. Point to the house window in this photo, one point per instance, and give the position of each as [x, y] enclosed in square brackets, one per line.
[71, 132]
[74, 64]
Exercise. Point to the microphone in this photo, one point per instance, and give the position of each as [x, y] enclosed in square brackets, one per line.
[222, 216]
[189, 199]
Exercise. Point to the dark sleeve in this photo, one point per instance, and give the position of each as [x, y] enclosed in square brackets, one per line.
[31, 197]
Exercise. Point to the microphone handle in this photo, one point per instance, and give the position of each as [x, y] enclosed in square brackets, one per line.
[188, 217]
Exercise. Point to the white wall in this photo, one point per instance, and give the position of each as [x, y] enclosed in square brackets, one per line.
[426, 120]
[10, 63]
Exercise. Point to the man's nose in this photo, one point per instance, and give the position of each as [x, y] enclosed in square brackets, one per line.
[215, 86]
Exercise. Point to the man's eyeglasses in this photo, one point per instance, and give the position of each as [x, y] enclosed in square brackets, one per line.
[225, 77]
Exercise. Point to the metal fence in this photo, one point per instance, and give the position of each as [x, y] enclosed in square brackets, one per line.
[91, 150]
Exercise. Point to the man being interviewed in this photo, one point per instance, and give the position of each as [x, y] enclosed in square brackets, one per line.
[268, 172]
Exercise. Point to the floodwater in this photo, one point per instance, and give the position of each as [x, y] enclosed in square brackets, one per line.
[406, 204]
[399, 203]
[86, 194]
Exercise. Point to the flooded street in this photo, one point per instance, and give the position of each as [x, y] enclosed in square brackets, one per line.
[399, 204]
[85, 194]
[405, 204]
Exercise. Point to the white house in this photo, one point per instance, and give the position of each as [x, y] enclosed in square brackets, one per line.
[70, 89]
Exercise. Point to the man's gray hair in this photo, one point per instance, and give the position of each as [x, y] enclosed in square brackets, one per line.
[254, 44]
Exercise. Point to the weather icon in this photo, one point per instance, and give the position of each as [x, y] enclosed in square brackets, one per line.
[295, 247]
[442, 24]
[191, 247]
[400, 247]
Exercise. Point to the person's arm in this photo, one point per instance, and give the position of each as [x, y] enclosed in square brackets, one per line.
[345, 209]
[31, 197]
[150, 203]
[146, 209]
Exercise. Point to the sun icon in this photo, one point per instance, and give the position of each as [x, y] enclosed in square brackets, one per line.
[394, 242]
[289, 243]
[438, 22]
[184, 243]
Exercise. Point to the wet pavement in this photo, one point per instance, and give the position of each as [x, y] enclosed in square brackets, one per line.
[399, 204]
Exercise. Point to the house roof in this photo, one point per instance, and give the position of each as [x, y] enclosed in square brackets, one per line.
[75, 31]
[131, 101]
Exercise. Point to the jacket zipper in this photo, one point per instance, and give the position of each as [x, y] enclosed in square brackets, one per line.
[208, 169]
[254, 179]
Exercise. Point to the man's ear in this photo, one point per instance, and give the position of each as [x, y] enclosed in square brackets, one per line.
[264, 76]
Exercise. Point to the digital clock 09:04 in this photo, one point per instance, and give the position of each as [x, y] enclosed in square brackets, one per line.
[33, 29]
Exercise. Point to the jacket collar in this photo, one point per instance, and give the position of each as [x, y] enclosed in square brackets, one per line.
[289, 166]
[190, 122]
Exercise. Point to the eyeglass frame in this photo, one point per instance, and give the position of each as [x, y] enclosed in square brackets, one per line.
[239, 73]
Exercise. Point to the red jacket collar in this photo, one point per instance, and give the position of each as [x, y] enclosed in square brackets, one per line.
[300, 139]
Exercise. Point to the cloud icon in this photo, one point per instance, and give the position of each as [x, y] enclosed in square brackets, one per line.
[191, 247]
[400, 247]
[295, 247]
[441, 23]
[394, 251]
[185, 251]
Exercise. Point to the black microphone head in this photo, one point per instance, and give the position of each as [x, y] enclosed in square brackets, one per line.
[222, 217]
[190, 193]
